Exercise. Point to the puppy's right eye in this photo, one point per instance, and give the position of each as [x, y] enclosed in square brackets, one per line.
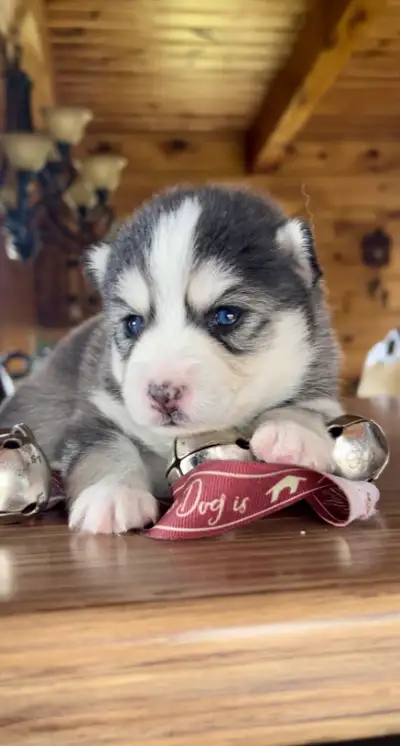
[224, 317]
[133, 325]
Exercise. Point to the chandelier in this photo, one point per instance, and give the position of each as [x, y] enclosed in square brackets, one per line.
[41, 183]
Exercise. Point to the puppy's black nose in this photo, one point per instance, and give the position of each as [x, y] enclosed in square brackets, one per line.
[165, 395]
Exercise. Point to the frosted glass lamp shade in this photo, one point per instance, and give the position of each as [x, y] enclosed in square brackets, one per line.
[12, 13]
[66, 123]
[102, 171]
[80, 195]
[8, 196]
[26, 151]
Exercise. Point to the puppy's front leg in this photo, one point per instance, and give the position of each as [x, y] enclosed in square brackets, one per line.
[106, 482]
[297, 435]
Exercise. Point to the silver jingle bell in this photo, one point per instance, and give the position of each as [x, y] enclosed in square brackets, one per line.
[361, 450]
[25, 477]
[193, 450]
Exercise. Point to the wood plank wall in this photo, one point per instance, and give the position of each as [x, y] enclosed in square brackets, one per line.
[17, 305]
[347, 189]
[353, 188]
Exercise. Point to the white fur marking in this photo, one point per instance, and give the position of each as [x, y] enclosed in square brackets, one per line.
[329, 408]
[109, 507]
[133, 290]
[117, 413]
[276, 370]
[208, 283]
[117, 365]
[98, 260]
[171, 258]
[291, 236]
[286, 442]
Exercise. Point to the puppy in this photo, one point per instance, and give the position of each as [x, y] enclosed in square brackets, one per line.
[214, 316]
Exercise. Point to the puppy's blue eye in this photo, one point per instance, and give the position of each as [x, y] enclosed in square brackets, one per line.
[226, 316]
[133, 325]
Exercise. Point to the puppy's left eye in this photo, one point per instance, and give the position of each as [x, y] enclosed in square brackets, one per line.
[226, 316]
[133, 325]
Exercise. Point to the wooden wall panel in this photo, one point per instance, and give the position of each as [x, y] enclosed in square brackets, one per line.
[164, 64]
[17, 305]
[18, 315]
[353, 188]
[365, 100]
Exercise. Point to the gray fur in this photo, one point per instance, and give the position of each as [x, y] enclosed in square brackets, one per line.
[238, 229]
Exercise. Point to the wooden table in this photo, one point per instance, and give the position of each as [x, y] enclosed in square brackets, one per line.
[286, 632]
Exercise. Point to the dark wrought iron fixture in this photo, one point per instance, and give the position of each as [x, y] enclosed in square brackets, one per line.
[40, 181]
[376, 248]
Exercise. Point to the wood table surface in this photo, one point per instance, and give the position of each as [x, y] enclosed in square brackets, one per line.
[284, 633]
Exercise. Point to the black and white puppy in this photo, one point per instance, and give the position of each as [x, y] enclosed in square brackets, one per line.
[214, 316]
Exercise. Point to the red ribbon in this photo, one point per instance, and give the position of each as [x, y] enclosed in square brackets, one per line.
[217, 497]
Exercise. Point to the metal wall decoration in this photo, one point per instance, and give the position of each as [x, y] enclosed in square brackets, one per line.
[375, 249]
[40, 181]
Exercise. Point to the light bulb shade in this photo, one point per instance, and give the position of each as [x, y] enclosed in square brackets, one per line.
[9, 246]
[8, 196]
[80, 195]
[66, 123]
[26, 151]
[11, 16]
[102, 171]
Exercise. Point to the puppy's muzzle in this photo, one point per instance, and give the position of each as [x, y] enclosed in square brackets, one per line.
[165, 397]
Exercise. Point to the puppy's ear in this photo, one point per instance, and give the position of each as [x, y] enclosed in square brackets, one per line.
[295, 237]
[95, 263]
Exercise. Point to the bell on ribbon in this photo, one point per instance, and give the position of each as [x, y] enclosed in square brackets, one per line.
[361, 450]
[211, 498]
[193, 450]
[25, 476]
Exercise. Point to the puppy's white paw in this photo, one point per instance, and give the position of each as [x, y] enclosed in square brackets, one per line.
[287, 442]
[109, 507]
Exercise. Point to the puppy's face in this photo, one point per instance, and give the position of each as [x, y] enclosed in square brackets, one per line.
[207, 294]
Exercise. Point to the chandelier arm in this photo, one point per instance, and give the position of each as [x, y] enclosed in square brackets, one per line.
[71, 176]
[85, 235]
[53, 181]
[44, 181]
[58, 223]
[3, 170]
[23, 221]
[110, 216]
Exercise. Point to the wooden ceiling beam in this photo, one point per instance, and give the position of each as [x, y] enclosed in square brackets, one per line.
[321, 50]
[36, 57]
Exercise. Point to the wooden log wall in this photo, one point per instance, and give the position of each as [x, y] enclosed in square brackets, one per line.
[353, 190]
[348, 189]
[17, 305]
